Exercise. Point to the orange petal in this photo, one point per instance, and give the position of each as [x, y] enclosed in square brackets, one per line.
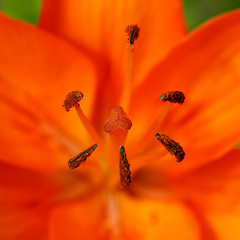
[98, 28]
[122, 219]
[213, 191]
[215, 186]
[225, 224]
[151, 218]
[37, 70]
[24, 204]
[83, 220]
[205, 66]
[28, 196]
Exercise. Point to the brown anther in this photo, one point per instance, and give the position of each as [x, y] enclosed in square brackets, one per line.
[173, 147]
[117, 121]
[72, 99]
[133, 32]
[173, 97]
[81, 157]
[124, 169]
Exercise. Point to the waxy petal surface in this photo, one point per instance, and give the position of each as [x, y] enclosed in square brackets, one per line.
[37, 70]
[146, 218]
[205, 66]
[225, 223]
[80, 220]
[213, 193]
[27, 198]
[122, 219]
[24, 203]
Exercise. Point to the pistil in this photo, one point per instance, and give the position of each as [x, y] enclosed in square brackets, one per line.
[117, 127]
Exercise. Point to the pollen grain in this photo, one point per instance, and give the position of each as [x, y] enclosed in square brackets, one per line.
[124, 169]
[173, 147]
[81, 157]
[132, 32]
[173, 97]
[72, 99]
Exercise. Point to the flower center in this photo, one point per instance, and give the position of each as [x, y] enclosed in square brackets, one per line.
[112, 150]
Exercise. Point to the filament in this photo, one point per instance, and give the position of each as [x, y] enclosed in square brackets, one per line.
[90, 129]
[144, 144]
[128, 80]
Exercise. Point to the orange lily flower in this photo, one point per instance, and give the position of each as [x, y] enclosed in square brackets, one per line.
[81, 45]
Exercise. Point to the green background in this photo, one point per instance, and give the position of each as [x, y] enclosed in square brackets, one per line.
[196, 11]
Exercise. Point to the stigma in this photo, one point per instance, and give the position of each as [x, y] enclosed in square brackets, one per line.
[118, 121]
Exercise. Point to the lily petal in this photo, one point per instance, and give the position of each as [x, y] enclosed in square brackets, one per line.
[24, 203]
[155, 217]
[205, 66]
[213, 192]
[97, 27]
[124, 220]
[37, 70]
[78, 220]
[225, 223]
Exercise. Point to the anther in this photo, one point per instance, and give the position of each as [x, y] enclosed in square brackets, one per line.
[81, 157]
[133, 32]
[173, 147]
[72, 99]
[173, 97]
[124, 169]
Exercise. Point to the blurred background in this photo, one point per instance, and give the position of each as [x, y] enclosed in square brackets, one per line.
[196, 11]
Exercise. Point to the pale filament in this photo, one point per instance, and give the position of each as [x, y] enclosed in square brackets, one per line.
[147, 159]
[144, 145]
[128, 80]
[90, 129]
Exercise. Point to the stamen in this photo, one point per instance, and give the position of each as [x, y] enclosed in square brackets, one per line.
[144, 160]
[81, 157]
[173, 97]
[72, 99]
[124, 169]
[89, 127]
[173, 147]
[133, 32]
[144, 144]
